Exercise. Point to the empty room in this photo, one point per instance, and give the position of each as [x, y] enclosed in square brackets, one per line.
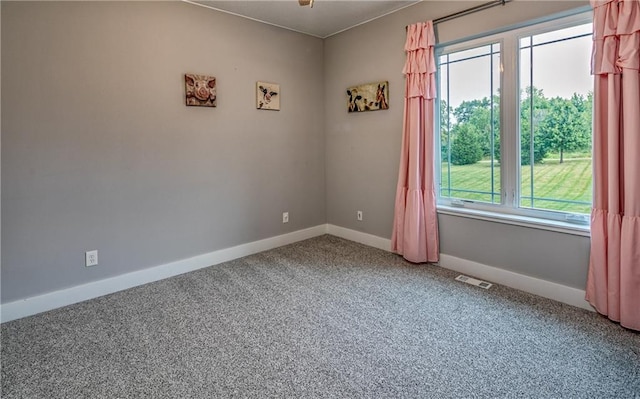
[320, 198]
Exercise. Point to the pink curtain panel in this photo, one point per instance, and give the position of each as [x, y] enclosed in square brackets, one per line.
[613, 284]
[415, 225]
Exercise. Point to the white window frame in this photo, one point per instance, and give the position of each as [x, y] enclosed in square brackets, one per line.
[508, 211]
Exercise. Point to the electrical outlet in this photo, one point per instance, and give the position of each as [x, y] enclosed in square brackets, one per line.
[91, 258]
[359, 216]
[285, 217]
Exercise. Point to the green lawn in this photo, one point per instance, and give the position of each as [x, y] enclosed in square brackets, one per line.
[569, 181]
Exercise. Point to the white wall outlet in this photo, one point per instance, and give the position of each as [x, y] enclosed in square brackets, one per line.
[91, 258]
[359, 215]
[285, 217]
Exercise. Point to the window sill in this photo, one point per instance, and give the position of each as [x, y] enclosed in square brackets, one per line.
[517, 220]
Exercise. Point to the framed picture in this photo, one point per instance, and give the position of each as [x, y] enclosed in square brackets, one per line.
[268, 96]
[200, 90]
[368, 97]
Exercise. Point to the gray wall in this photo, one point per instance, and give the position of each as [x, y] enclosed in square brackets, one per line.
[363, 149]
[100, 152]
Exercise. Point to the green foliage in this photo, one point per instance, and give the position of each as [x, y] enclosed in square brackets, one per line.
[465, 148]
[556, 125]
[566, 128]
[484, 116]
[539, 150]
[534, 106]
[445, 121]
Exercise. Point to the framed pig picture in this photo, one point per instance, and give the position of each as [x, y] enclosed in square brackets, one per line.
[268, 96]
[200, 90]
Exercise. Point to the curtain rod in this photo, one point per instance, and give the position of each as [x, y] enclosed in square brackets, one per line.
[471, 10]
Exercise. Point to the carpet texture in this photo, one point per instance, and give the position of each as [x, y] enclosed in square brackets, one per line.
[320, 318]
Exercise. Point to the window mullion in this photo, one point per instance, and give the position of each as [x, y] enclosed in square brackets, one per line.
[509, 114]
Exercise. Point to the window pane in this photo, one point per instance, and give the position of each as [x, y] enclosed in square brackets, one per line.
[555, 120]
[580, 30]
[471, 53]
[470, 124]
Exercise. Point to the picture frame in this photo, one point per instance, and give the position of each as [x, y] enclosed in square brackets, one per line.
[368, 97]
[268, 96]
[200, 90]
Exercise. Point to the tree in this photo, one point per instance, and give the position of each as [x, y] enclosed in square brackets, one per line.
[539, 150]
[478, 113]
[554, 125]
[534, 107]
[587, 114]
[564, 128]
[465, 111]
[445, 121]
[465, 147]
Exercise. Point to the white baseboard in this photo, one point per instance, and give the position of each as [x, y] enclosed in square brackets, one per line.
[358, 236]
[52, 300]
[57, 299]
[532, 285]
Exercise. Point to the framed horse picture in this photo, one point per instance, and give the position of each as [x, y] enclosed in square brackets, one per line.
[368, 97]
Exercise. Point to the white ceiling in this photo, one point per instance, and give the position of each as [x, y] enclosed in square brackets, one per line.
[326, 18]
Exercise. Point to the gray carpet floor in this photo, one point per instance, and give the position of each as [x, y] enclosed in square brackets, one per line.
[320, 318]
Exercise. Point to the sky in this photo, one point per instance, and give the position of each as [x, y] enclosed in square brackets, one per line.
[559, 68]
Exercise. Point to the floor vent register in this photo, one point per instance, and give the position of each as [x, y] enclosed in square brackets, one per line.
[473, 281]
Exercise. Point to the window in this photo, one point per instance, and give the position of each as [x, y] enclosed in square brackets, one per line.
[470, 127]
[514, 132]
